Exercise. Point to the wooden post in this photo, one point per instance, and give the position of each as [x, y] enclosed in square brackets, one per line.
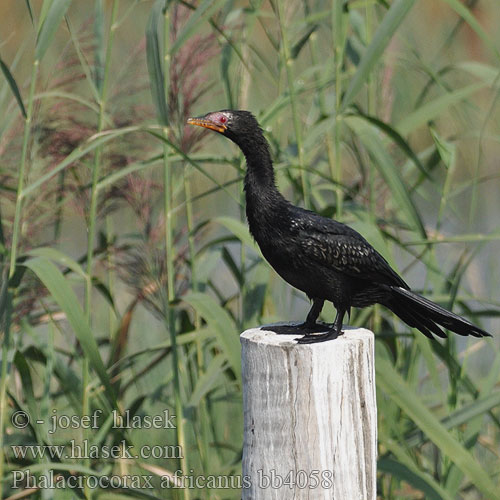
[310, 417]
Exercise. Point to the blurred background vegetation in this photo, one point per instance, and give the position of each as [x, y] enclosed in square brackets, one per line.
[127, 269]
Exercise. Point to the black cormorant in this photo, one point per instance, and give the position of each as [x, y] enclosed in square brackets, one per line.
[322, 257]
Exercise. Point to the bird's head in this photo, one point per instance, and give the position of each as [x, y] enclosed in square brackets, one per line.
[244, 130]
[237, 125]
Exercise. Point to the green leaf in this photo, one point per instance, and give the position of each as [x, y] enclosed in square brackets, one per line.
[60, 257]
[27, 385]
[478, 407]
[391, 22]
[58, 94]
[85, 65]
[238, 228]
[207, 382]
[13, 86]
[432, 109]
[397, 138]
[67, 379]
[255, 296]
[88, 146]
[221, 324]
[100, 45]
[154, 59]
[446, 150]
[225, 64]
[414, 477]
[485, 72]
[408, 468]
[340, 23]
[204, 10]
[388, 170]
[53, 18]
[233, 267]
[295, 50]
[28, 6]
[195, 164]
[5, 299]
[62, 293]
[43, 13]
[132, 168]
[391, 382]
[472, 21]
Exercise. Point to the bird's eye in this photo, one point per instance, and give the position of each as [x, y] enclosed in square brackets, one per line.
[223, 119]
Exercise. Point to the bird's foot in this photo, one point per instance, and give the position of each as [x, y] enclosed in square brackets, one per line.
[308, 329]
[332, 334]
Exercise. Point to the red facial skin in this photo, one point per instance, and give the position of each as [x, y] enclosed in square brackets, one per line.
[214, 121]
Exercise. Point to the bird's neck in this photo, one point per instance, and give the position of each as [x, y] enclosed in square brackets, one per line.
[263, 200]
[260, 184]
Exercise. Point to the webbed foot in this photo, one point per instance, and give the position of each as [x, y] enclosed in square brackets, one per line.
[307, 329]
[313, 339]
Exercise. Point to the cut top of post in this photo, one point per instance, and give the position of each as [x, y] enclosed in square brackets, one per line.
[263, 336]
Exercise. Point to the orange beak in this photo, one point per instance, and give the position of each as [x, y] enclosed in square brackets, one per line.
[203, 122]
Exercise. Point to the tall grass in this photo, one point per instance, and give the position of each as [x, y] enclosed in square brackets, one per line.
[128, 272]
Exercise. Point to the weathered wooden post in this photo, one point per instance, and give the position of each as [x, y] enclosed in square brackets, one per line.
[310, 417]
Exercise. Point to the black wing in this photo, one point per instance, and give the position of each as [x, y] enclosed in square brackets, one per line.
[335, 245]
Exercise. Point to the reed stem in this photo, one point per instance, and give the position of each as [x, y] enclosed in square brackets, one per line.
[92, 221]
[339, 44]
[288, 63]
[9, 294]
[22, 171]
[170, 257]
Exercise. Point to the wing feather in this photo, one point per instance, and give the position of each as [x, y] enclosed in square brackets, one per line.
[335, 245]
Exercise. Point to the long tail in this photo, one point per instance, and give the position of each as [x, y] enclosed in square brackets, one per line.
[421, 313]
